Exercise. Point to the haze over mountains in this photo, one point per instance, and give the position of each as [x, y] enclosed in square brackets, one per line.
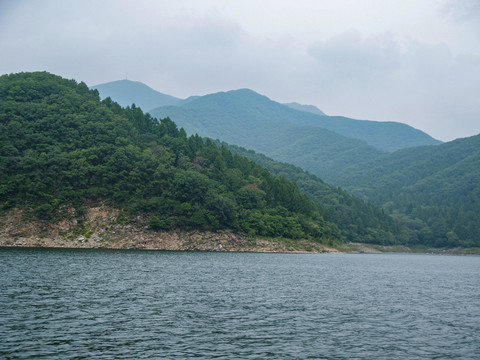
[253, 107]
[126, 92]
[307, 108]
[438, 186]
[244, 118]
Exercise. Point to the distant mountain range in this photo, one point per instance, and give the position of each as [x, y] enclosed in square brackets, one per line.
[247, 119]
[254, 108]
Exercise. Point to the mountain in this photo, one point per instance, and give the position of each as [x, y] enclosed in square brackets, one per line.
[307, 108]
[254, 108]
[61, 147]
[433, 189]
[250, 120]
[385, 136]
[127, 92]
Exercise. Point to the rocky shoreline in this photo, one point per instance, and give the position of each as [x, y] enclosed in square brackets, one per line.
[107, 228]
[102, 227]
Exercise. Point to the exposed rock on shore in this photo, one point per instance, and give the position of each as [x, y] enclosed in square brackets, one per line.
[104, 227]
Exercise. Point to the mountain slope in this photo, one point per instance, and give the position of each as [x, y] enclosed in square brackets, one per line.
[337, 204]
[246, 105]
[384, 135]
[127, 92]
[253, 121]
[434, 188]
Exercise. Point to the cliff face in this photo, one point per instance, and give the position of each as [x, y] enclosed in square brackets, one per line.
[106, 227]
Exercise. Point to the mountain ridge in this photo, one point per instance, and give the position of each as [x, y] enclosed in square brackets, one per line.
[432, 189]
[386, 136]
[249, 123]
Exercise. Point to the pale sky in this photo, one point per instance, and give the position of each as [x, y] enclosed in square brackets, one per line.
[413, 61]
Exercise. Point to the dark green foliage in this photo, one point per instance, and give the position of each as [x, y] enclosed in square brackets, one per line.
[60, 146]
[358, 220]
[434, 190]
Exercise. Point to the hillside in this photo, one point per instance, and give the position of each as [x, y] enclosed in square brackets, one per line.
[61, 147]
[433, 189]
[384, 135]
[253, 121]
[337, 205]
[127, 92]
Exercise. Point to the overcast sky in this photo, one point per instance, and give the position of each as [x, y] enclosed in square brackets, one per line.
[413, 61]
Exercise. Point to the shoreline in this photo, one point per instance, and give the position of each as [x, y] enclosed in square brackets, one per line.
[103, 227]
[174, 241]
[257, 245]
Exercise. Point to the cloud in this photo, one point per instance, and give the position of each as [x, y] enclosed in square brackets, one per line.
[358, 58]
[462, 10]
[388, 78]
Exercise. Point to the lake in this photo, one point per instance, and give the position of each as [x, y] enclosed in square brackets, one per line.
[116, 304]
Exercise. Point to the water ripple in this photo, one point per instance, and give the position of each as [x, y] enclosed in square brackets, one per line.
[83, 304]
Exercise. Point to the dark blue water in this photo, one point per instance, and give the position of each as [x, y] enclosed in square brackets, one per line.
[99, 304]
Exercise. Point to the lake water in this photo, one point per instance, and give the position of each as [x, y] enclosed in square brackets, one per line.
[107, 304]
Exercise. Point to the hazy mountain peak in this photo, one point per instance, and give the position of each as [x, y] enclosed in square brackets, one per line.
[126, 92]
[232, 99]
[307, 108]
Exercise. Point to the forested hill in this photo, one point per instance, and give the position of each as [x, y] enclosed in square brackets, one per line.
[435, 190]
[61, 146]
[362, 219]
[253, 121]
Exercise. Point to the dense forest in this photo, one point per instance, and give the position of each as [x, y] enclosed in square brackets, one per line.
[433, 190]
[61, 146]
[358, 220]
